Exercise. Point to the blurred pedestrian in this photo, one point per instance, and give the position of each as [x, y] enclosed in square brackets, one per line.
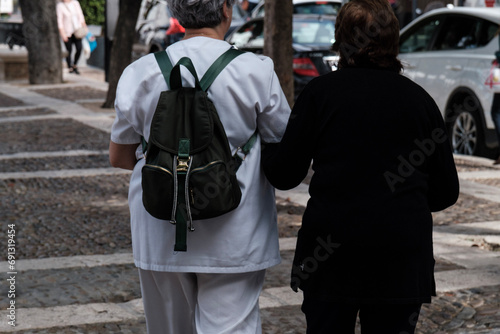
[495, 109]
[382, 163]
[249, 5]
[70, 21]
[214, 286]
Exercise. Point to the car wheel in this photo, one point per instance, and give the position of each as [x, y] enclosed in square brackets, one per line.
[465, 125]
[465, 134]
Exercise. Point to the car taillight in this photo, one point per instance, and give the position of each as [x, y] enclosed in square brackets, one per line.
[305, 66]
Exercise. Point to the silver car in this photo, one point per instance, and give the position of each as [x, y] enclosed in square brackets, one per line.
[450, 52]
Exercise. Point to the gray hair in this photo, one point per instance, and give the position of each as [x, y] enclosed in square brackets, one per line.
[195, 14]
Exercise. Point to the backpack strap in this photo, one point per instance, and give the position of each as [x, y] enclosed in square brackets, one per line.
[245, 149]
[217, 67]
[171, 73]
[175, 74]
[165, 64]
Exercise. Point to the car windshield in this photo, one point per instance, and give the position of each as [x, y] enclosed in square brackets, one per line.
[310, 7]
[320, 32]
[314, 32]
[319, 7]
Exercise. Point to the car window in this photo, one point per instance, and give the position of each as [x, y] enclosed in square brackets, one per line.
[459, 32]
[314, 32]
[486, 32]
[249, 35]
[238, 12]
[419, 38]
[314, 7]
[259, 11]
[319, 7]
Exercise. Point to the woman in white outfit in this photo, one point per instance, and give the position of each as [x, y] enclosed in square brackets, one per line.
[214, 286]
[69, 19]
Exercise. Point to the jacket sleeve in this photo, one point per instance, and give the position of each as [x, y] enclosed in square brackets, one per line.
[287, 163]
[443, 183]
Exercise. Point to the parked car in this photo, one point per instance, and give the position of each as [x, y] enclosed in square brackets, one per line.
[240, 16]
[328, 7]
[312, 38]
[152, 23]
[154, 20]
[449, 52]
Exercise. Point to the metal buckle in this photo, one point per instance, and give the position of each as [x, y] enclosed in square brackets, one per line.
[183, 164]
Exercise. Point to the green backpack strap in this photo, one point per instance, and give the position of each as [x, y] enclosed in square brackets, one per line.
[172, 73]
[165, 65]
[245, 149]
[217, 67]
[175, 74]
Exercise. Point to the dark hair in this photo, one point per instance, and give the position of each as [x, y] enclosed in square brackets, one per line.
[198, 13]
[367, 35]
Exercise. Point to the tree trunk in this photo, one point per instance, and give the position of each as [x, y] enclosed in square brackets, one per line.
[278, 42]
[121, 50]
[42, 41]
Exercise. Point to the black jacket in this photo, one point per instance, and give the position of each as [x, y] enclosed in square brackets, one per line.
[382, 163]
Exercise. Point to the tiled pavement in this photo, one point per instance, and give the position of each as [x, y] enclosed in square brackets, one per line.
[74, 273]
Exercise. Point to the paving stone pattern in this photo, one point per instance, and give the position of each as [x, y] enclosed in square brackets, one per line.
[92, 215]
[7, 101]
[27, 112]
[55, 163]
[72, 93]
[50, 135]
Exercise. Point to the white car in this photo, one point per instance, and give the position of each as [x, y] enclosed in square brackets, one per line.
[450, 53]
[328, 7]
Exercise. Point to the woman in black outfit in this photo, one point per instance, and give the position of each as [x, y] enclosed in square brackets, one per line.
[382, 163]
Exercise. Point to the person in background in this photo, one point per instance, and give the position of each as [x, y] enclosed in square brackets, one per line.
[382, 163]
[249, 5]
[69, 19]
[214, 286]
[495, 115]
[495, 109]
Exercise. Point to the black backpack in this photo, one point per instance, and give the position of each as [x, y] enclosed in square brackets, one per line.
[190, 172]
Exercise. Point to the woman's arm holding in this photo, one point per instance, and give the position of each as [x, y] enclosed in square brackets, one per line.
[287, 163]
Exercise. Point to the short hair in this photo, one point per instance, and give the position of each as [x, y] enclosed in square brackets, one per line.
[367, 35]
[196, 14]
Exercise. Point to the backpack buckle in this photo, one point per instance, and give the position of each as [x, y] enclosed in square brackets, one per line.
[241, 156]
[183, 164]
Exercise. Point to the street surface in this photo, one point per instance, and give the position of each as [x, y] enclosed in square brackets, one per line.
[66, 233]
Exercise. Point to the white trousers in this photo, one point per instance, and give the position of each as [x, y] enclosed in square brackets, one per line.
[194, 303]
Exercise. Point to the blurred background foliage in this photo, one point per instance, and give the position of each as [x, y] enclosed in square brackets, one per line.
[93, 10]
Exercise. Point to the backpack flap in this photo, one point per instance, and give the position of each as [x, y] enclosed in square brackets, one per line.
[191, 121]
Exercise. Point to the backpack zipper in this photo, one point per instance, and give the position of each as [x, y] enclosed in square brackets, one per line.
[160, 168]
[198, 169]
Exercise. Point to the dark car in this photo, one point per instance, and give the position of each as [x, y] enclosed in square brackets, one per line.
[312, 38]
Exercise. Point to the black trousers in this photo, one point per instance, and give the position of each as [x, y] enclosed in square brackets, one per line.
[340, 318]
[78, 45]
